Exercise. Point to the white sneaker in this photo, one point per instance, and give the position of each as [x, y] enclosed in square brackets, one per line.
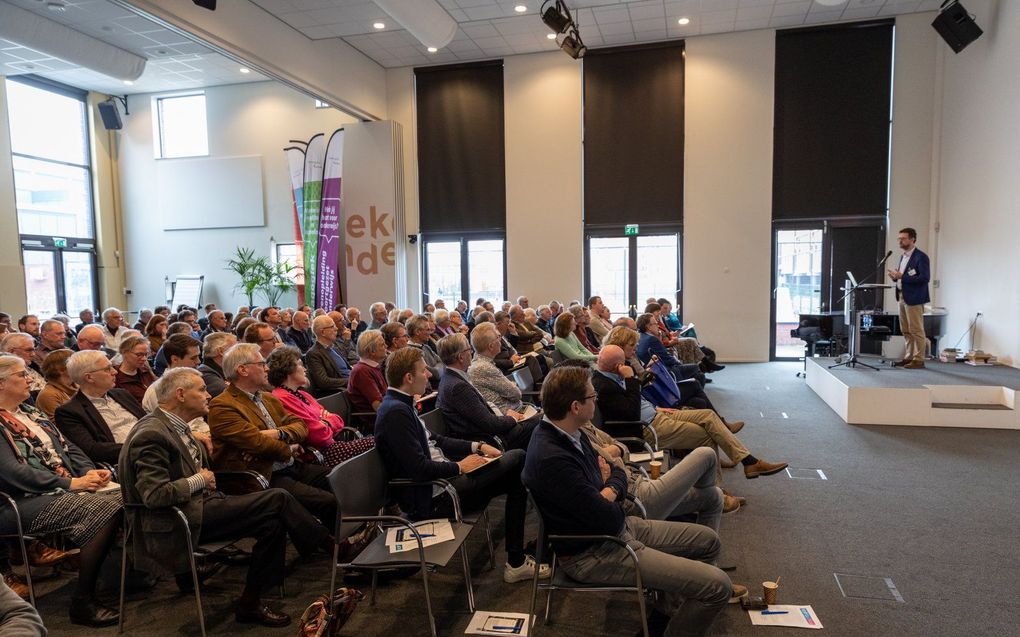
[525, 571]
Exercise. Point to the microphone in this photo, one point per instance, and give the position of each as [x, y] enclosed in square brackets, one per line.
[887, 255]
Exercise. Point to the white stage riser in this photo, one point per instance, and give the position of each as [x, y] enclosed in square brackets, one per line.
[913, 406]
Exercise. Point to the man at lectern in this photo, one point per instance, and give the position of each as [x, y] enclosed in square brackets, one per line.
[911, 278]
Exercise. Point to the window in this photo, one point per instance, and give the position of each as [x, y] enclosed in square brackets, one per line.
[627, 270]
[288, 253]
[53, 195]
[181, 126]
[464, 267]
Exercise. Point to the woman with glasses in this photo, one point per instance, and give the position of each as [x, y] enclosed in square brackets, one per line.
[367, 385]
[287, 375]
[134, 374]
[54, 486]
[22, 345]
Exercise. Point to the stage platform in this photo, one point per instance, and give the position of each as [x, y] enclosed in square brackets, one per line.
[941, 395]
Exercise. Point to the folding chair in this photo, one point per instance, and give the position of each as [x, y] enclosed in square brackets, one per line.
[526, 382]
[360, 487]
[340, 405]
[23, 540]
[559, 580]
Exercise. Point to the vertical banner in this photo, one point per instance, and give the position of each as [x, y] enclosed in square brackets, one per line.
[296, 167]
[327, 289]
[310, 213]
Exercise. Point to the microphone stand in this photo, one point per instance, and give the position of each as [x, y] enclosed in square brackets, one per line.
[873, 273]
[853, 359]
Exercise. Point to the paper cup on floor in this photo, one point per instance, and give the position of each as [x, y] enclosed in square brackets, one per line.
[655, 469]
[770, 591]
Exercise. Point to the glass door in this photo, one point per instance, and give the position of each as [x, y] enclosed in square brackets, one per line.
[41, 282]
[59, 279]
[797, 273]
[465, 267]
[610, 278]
[627, 270]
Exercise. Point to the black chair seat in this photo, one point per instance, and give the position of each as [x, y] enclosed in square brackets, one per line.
[377, 555]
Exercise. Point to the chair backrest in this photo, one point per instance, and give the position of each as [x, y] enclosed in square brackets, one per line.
[435, 422]
[359, 486]
[339, 404]
[557, 357]
[524, 379]
[596, 418]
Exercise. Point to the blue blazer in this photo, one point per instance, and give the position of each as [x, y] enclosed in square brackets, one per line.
[649, 345]
[915, 286]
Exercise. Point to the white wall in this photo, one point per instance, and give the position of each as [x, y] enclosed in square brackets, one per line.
[728, 191]
[978, 188]
[243, 119]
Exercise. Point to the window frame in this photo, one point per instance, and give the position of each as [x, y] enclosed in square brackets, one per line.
[157, 122]
[463, 238]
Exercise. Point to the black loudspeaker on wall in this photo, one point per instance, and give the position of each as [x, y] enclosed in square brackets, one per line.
[111, 115]
[956, 26]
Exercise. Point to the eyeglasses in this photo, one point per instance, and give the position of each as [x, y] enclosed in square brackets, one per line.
[587, 398]
[108, 368]
[259, 363]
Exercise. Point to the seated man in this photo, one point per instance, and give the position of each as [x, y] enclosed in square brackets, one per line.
[263, 334]
[527, 336]
[252, 430]
[419, 332]
[328, 370]
[486, 377]
[181, 350]
[410, 451]
[113, 321]
[578, 492]
[619, 398]
[467, 411]
[216, 321]
[650, 345]
[162, 465]
[160, 360]
[214, 349]
[298, 334]
[99, 417]
[345, 342]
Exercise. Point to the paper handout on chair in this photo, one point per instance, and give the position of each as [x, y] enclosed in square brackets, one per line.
[786, 615]
[487, 622]
[400, 538]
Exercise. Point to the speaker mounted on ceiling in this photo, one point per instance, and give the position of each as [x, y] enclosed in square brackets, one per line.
[956, 25]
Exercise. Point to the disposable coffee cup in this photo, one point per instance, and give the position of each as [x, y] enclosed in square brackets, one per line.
[770, 591]
[655, 469]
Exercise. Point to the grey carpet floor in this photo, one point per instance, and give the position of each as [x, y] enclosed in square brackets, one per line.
[929, 509]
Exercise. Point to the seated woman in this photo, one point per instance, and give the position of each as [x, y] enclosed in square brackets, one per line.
[566, 340]
[155, 331]
[134, 374]
[59, 386]
[486, 377]
[54, 484]
[367, 385]
[287, 376]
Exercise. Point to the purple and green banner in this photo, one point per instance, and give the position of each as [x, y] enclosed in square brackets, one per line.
[311, 199]
[327, 289]
[296, 166]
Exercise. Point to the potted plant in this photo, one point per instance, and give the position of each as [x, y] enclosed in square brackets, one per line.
[252, 270]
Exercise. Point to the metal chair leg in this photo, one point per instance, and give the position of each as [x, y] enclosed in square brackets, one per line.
[375, 580]
[123, 577]
[428, 600]
[467, 577]
[488, 540]
[549, 591]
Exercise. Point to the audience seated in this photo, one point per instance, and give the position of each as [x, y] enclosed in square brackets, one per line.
[523, 335]
[264, 334]
[154, 472]
[86, 317]
[22, 345]
[457, 322]
[367, 385]
[54, 485]
[298, 334]
[582, 320]
[161, 360]
[378, 312]
[483, 374]
[251, 430]
[345, 343]
[544, 320]
[144, 315]
[155, 331]
[598, 325]
[29, 324]
[286, 373]
[508, 355]
[52, 334]
[619, 398]
[59, 386]
[328, 370]
[182, 351]
[444, 325]
[134, 374]
[410, 451]
[203, 322]
[674, 324]
[99, 417]
[466, 410]
[113, 322]
[566, 339]
[419, 333]
[216, 321]
[578, 492]
[214, 348]
[650, 345]
[355, 323]
[92, 338]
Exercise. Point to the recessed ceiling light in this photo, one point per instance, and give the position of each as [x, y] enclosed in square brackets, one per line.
[520, 8]
[684, 21]
[550, 36]
[432, 49]
[128, 83]
[378, 25]
[244, 70]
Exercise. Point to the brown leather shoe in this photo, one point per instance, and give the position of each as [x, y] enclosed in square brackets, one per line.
[762, 468]
[901, 363]
[741, 499]
[41, 555]
[735, 426]
[730, 504]
[16, 584]
[739, 590]
[264, 616]
[914, 365]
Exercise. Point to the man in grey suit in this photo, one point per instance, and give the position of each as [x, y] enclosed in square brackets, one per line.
[163, 466]
[327, 369]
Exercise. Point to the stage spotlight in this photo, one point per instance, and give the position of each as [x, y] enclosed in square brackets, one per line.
[556, 16]
[572, 45]
[206, 4]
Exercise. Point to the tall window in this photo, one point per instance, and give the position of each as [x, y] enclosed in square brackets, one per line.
[464, 267]
[627, 270]
[181, 126]
[53, 191]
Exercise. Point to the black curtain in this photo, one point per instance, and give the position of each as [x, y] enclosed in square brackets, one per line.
[634, 135]
[461, 165]
[832, 112]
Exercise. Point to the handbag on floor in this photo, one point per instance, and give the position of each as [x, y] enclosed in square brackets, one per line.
[325, 617]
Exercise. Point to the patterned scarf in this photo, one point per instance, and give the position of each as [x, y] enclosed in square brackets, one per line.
[27, 446]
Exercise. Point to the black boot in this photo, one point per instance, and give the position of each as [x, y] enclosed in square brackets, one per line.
[89, 612]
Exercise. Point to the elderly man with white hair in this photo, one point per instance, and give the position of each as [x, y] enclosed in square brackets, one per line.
[113, 321]
[298, 334]
[22, 345]
[327, 368]
[99, 417]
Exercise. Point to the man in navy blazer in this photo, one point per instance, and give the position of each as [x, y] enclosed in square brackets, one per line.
[911, 277]
[410, 451]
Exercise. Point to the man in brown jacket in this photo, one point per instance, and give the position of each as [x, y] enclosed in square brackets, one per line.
[251, 430]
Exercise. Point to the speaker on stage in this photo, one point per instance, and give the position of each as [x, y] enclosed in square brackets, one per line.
[111, 116]
[956, 26]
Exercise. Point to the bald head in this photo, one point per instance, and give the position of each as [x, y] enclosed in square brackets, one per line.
[610, 358]
[91, 337]
[300, 321]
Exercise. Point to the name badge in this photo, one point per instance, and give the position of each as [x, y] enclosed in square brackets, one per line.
[912, 272]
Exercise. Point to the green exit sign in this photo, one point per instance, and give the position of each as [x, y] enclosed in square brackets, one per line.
[630, 230]
[59, 242]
